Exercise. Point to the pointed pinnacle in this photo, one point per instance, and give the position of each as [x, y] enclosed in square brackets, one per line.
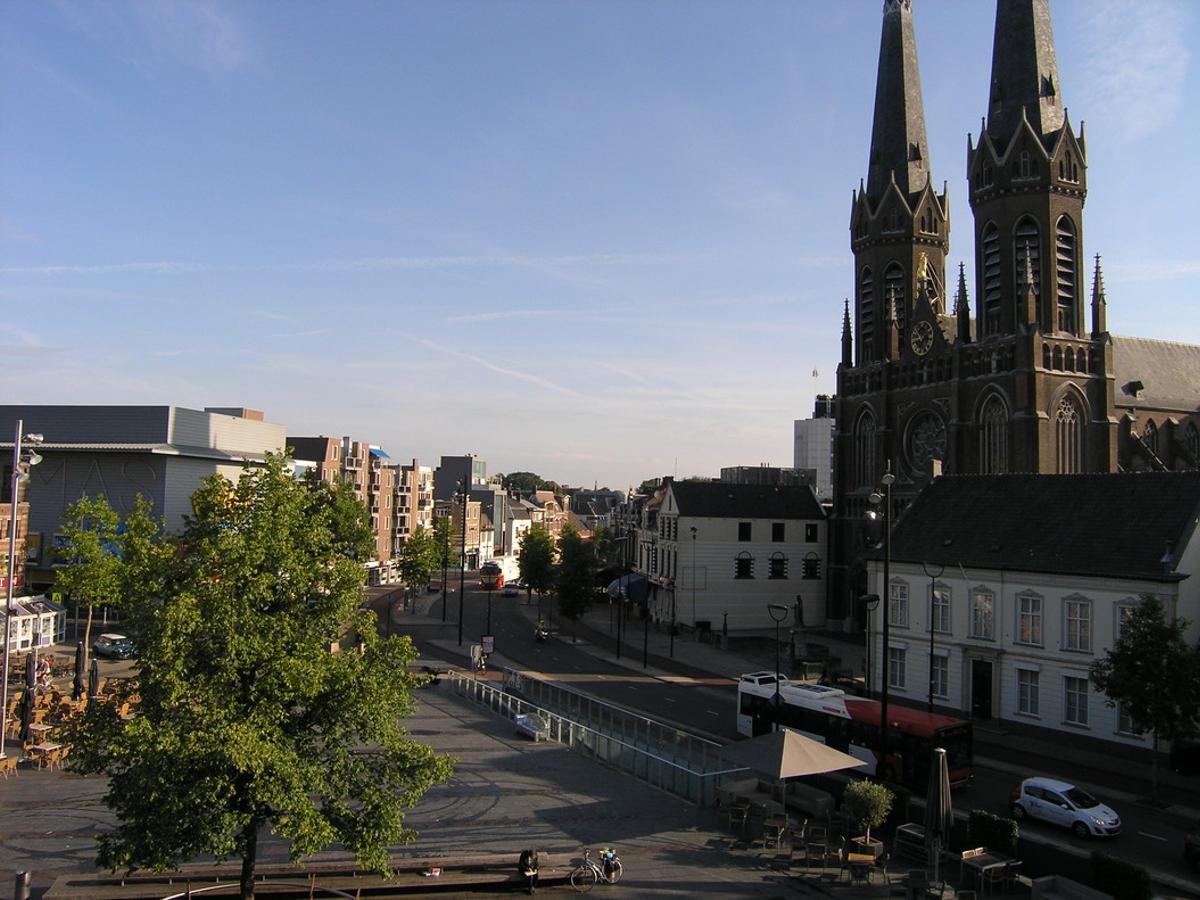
[1098, 284]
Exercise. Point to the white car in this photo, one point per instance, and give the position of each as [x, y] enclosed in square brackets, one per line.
[1060, 803]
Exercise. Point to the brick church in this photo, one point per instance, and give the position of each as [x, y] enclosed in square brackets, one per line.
[1017, 373]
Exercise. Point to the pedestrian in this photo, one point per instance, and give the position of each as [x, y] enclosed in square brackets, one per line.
[528, 867]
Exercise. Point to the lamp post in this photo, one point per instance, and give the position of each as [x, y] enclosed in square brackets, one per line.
[693, 577]
[778, 613]
[20, 464]
[870, 601]
[933, 576]
[672, 651]
[882, 501]
[462, 562]
[489, 614]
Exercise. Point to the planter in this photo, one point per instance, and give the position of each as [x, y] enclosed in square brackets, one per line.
[868, 845]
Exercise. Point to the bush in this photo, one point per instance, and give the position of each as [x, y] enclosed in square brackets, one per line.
[995, 832]
[1124, 880]
[867, 804]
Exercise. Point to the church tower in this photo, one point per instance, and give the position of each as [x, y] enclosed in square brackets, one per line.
[899, 226]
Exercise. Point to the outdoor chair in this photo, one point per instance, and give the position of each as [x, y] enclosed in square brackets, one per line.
[1012, 874]
[8, 766]
[993, 877]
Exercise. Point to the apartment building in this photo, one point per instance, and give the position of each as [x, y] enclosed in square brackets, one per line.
[414, 501]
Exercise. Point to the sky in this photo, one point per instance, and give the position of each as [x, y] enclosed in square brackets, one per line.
[602, 240]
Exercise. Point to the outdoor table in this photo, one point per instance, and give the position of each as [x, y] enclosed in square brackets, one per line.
[773, 829]
[47, 747]
[41, 729]
[860, 865]
[986, 862]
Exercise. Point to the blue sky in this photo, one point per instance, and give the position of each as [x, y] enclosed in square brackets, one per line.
[598, 240]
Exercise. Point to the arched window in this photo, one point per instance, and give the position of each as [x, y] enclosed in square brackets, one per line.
[1150, 436]
[864, 450]
[743, 565]
[990, 248]
[1027, 240]
[1068, 435]
[866, 317]
[1058, 360]
[993, 437]
[894, 289]
[777, 566]
[1191, 437]
[1064, 253]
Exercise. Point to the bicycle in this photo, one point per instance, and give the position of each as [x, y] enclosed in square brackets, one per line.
[588, 872]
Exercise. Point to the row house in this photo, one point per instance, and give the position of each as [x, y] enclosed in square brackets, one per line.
[718, 555]
[414, 502]
[1003, 591]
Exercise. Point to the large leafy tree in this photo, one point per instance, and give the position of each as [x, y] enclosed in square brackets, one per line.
[1154, 674]
[575, 574]
[535, 559]
[419, 558]
[91, 530]
[523, 481]
[245, 718]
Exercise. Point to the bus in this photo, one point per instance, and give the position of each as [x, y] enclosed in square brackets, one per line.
[491, 576]
[851, 724]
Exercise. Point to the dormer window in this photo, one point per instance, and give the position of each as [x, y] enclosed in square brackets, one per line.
[1027, 169]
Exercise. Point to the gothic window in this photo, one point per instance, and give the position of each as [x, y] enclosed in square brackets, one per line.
[1027, 242]
[1027, 167]
[778, 566]
[810, 567]
[925, 440]
[1058, 360]
[866, 317]
[1068, 436]
[1191, 437]
[743, 565]
[893, 289]
[990, 248]
[1065, 264]
[986, 178]
[1150, 436]
[864, 450]
[993, 437]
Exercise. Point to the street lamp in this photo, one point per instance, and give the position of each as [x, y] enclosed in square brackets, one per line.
[778, 613]
[870, 601]
[693, 576]
[462, 561]
[933, 576]
[881, 500]
[20, 465]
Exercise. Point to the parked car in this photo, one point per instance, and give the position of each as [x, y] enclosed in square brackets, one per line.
[1191, 845]
[113, 646]
[510, 590]
[1061, 803]
[534, 726]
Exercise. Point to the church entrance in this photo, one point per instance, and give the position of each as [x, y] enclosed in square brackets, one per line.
[981, 688]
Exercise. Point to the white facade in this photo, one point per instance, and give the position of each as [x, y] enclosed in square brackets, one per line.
[734, 567]
[813, 449]
[1016, 646]
[37, 622]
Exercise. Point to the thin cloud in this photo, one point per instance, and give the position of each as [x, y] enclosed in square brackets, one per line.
[1135, 65]
[299, 334]
[506, 314]
[500, 370]
[1161, 270]
[162, 267]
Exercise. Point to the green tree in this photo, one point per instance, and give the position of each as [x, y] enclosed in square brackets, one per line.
[523, 481]
[649, 486]
[535, 559]
[867, 804]
[91, 530]
[1154, 675]
[419, 558]
[575, 574]
[350, 519]
[245, 719]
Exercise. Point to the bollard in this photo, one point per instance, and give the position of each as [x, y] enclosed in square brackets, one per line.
[21, 886]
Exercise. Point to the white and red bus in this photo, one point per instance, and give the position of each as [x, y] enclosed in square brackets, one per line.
[491, 576]
[851, 724]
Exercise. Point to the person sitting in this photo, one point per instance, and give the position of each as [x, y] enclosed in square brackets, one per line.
[528, 867]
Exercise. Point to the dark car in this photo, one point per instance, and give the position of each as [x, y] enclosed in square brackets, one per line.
[113, 646]
[1191, 845]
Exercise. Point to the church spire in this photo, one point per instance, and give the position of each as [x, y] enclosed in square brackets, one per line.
[1024, 72]
[1099, 303]
[962, 306]
[898, 145]
[847, 339]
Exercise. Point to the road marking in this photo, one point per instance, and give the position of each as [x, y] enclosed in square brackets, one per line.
[711, 713]
[669, 699]
[1154, 836]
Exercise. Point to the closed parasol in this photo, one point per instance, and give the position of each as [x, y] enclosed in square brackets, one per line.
[80, 664]
[939, 814]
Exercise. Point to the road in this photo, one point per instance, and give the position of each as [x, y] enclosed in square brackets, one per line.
[705, 705]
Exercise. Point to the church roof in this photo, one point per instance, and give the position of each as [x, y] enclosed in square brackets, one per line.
[1098, 525]
[1024, 72]
[1169, 373]
[898, 144]
[723, 500]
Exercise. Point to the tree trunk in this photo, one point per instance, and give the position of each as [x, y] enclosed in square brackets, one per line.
[249, 857]
[87, 634]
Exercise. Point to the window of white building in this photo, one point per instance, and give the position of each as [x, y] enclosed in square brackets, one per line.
[940, 671]
[1028, 689]
[983, 614]
[1075, 709]
[896, 666]
[898, 595]
[1029, 619]
[1077, 624]
[940, 608]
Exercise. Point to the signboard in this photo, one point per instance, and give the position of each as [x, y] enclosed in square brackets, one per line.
[489, 644]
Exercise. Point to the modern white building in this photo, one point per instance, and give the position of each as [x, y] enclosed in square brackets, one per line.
[1027, 579]
[812, 443]
[37, 622]
[718, 554]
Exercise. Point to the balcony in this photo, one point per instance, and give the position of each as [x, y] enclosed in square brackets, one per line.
[353, 462]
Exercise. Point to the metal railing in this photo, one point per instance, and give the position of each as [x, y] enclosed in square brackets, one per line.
[681, 764]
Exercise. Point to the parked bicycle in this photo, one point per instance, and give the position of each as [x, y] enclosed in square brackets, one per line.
[607, 869]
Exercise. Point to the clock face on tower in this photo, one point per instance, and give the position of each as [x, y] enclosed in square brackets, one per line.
[921, 339]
